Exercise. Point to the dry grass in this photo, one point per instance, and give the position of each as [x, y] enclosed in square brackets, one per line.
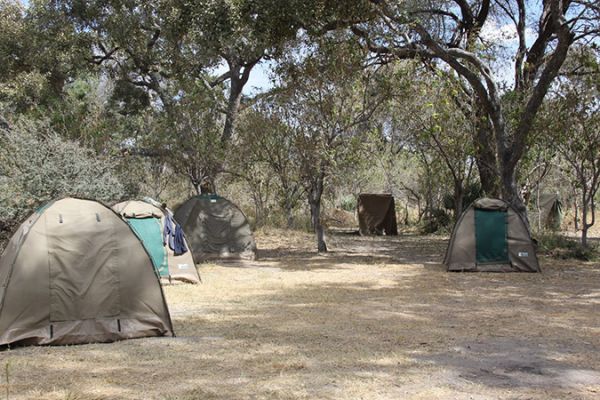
[377, 318]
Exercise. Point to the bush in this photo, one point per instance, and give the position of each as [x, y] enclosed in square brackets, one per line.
[348, 203]
[472, 192]
[436, 221]
[37, 165]
[559, 246]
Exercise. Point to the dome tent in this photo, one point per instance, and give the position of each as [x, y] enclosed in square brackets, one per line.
[75, 272]
[491, 236]
[147, 218]
[216, 228]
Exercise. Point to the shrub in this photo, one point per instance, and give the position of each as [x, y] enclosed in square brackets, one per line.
[436, 221]
[348, 203]
[559, 246]
[37, 165]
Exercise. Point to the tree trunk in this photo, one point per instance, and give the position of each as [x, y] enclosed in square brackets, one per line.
[289, 212]
[196, 183]
[319, 232]
[315, 193]
[258, 209]
[584, 214]
[487, 176]
[459, 195]
[233, 106]
[576, 207]
[511, 193]
[239, 74]
[584, 235]
[485, 158]
[288, 204]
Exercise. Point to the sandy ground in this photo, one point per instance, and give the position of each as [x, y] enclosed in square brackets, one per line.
[377, 318]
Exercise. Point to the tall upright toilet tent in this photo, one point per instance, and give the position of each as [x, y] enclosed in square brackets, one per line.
[376, 214]
[491, 236]
[74, 272]
[162, 237]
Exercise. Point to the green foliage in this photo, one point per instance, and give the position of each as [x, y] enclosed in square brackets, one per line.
[348, 203]
[37, 165]
[574, 117]
[40, 50]
[328, 100]
[435, 221]
[472, 192]
[559, 246]
[155, 89]
[266, 160]
[189, 136]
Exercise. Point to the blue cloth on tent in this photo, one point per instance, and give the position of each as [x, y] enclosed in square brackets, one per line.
[179, 242]
[173, 235]
[169, 230]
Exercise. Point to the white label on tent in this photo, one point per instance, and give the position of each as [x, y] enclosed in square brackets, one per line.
[523, 254]
[213, 200]
[183, 266]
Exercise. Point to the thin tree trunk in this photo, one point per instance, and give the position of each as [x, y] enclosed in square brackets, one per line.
[197, 184]
[459, 194]
[584, 235]
[319, 231]
[576, 209]
[233, 106]
[584, 224]
[316, 191]
[511, 194]
[289, 212]
[258, 209]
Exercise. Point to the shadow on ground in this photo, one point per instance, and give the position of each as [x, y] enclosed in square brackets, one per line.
[377, 318]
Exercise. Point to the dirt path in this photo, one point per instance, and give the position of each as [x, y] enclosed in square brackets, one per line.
[377, 318]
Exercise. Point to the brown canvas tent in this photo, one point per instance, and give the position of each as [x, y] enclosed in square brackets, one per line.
[550, 211]
[491, 236]
[216, 228]
[376, 214]
[75, 272]
[147, 218]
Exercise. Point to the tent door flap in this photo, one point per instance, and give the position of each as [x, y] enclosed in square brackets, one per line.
[491, 232]
[84, 282]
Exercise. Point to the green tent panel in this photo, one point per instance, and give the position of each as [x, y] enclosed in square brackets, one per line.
[148, 230]
[491, 244]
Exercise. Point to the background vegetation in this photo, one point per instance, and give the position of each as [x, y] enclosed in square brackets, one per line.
[436, 102]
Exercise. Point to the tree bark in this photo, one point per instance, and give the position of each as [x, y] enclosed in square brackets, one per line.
[588, 209]
[239, 73]
[576, 207]
[485, 156]
[315, 194]
[459, 194]
[584, 225]
[233, 105]
[289, 214]
[512, 194]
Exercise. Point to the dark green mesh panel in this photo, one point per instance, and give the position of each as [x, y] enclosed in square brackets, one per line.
[490, 234]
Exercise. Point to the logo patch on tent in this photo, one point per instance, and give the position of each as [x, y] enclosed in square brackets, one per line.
[183, 266]
[523, 254]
